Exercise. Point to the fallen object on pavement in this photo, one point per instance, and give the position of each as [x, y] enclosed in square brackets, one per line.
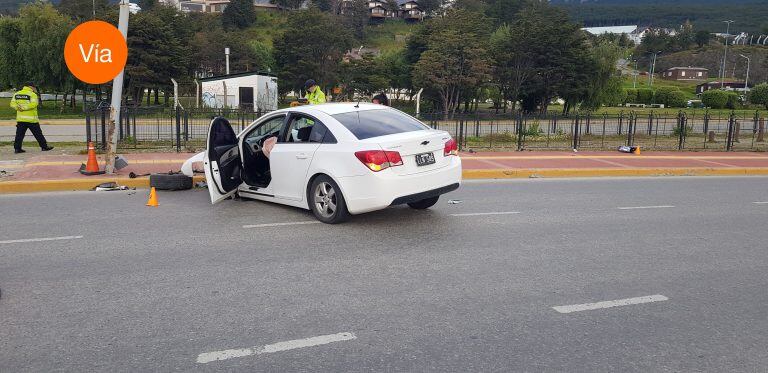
[170, 181]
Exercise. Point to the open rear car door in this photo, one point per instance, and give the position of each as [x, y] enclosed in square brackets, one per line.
[222, 160]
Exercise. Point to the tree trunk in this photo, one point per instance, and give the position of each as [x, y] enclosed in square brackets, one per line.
[165, 95]
[149, 95]
[157, 96]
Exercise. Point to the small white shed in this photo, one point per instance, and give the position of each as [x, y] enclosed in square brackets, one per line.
[249, 90]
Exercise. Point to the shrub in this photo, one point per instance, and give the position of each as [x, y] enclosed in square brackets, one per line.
[670, 97]
[644, 96]
[759, 95]
[631, 97]
[715, 98]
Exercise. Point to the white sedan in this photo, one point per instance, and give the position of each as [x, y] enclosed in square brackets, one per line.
[334, 159]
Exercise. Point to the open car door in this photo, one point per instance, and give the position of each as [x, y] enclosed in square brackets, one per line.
[222, 160]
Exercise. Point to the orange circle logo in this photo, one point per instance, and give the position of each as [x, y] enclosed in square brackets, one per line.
[95, 52]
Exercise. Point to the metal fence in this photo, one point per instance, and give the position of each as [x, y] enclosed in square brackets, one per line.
[653, 131]
[186, 129]
[162, 128]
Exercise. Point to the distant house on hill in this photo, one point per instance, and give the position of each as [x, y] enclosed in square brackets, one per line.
[685, 73]
[410, 10]
[737, 86]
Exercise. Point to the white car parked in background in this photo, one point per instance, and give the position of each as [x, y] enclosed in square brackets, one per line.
[334, 159]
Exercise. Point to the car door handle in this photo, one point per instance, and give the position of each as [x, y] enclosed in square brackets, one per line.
[301, 156]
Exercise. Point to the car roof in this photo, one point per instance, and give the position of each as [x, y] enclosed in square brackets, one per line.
[338, 108]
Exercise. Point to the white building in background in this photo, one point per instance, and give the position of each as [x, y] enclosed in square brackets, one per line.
[634, 33]
[248, 91]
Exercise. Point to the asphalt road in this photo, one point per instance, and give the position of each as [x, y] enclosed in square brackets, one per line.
[450, 289]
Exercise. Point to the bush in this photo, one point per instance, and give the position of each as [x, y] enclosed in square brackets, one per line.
[631, 97]
[670, 97]
[644, 96]
[759, 95]
[715, 99]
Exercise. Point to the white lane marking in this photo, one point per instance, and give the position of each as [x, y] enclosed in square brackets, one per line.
[42, 239]
[208, 357]
[761, 203]
[645, 207]
[487, 213]
[281, 224]
[610, 303]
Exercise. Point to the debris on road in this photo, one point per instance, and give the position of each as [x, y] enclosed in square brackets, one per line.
[201, 184]
[109, 186]
[454, 201]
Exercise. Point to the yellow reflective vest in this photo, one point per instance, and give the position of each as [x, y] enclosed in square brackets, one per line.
[316, 97]
[24, 102]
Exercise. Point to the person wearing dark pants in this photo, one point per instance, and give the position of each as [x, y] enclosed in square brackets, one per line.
[25, 103]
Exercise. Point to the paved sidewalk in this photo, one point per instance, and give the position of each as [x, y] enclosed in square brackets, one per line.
[60, 172]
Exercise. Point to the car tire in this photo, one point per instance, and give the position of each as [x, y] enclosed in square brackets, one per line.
[424, 203]
[326, 201]
[170, 181]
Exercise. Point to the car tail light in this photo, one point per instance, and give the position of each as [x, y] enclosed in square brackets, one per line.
[450, 148]
[377, 160]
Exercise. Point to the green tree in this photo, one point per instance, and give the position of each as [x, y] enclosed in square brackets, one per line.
[715, 99]
[356, 15]
[505, 11]
[313, 49]
[670, 97]
[11, 71]
[288, 4]
[208, 53]
[759, 95]
[702, 38]
[239, 14]
[512, 65]
[362, 76]
[454, 64]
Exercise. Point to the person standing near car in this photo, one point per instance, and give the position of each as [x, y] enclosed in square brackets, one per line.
[25, 103]
[314, 95]
[381, 99]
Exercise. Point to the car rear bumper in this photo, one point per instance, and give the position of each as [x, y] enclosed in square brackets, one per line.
[377, 190]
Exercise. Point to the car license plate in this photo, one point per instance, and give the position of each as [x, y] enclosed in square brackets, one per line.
[424, 159]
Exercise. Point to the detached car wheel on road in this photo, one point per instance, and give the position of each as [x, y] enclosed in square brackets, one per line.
[333, 159]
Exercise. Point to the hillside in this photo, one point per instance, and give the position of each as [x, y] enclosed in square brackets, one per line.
[751, 15]
[711, 56]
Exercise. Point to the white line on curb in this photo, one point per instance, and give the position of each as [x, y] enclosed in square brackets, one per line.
[646, 207]
[281, 224]
[487, 213]
[761, 203]
[609, 304]
[42, 239]
[208, 357]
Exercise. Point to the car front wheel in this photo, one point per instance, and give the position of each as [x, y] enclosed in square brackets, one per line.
[326, 201]
[424, 203]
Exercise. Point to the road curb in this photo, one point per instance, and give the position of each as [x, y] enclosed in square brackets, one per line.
[611, 172]
[32, 186]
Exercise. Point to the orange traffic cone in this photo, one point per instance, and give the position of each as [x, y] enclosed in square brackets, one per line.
[152, 198]
[92, 167]
[637, 150]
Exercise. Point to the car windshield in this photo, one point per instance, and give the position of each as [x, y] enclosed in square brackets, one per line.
[373, 123]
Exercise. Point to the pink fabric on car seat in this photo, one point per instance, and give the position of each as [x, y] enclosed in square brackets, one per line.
[268, 145]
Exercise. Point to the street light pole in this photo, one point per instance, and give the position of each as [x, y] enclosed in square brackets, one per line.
[634, 83]
[746, 79]
[725, 52]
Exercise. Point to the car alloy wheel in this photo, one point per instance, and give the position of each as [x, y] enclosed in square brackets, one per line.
[325, 199]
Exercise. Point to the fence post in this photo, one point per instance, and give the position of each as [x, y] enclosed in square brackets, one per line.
[621, 122]
[461, 133]
[520, 132]
[186, 126]
[103, 129]
[589, 123]
[88, 126]
[650, 124]
[706, 121]
[576, 133]
[761, 130]
[681, 121]
[729, 137]
[178, 129]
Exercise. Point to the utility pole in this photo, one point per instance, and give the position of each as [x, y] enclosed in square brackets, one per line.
[117, 96]
[226, 54]
[653, 70]
[634, 83]
[725, 51]
[746, 79]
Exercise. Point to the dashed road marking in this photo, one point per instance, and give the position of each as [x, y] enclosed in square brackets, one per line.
[645, 207]
[761, 203]
[42, 239]
[610, 303]
[281, 224]
[488, 213]
[208, 357]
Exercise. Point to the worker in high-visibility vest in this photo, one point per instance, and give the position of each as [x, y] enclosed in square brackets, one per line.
[25, 102]
[314, 94]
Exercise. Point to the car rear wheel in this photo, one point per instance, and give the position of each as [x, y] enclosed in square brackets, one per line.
[326, 201]
[424, 203]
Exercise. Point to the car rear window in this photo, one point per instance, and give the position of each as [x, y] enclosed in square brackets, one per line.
[373, 123]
